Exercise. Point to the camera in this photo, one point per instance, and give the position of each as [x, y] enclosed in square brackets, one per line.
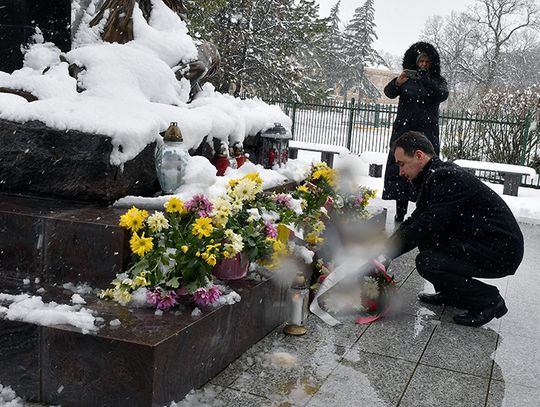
[412, 74]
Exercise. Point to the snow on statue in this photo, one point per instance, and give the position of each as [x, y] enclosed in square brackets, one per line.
[129, 91]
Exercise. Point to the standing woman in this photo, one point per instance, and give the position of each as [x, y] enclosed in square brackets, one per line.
[421, 89]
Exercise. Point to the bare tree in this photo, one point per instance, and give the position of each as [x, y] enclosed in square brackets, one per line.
[501, 20]
[479, 47]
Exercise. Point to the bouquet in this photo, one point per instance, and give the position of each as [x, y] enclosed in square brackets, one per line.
[175, 251]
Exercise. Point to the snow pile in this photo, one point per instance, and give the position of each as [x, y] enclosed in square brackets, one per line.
[282, 359]
[201, 178]
[80, 288]
[8, 398]
[32, 309]
[131, 93]
[200, 398]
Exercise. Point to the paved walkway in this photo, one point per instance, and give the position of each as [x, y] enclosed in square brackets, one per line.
[417, 358]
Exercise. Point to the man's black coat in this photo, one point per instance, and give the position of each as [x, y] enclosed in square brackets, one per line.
[418, 110]
[457, 213]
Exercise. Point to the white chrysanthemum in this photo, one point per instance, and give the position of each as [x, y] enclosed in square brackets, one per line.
[245, 190]
[371, 288]
[220, 218]
[157, 222]
[237, 204]
[235, 243]
[222, 204]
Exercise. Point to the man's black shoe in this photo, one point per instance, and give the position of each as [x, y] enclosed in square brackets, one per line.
[482, 316]
[437, 299]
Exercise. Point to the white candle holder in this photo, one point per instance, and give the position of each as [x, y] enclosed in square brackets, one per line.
[297, 307]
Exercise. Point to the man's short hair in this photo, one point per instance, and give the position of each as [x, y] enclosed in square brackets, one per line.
[410, 141]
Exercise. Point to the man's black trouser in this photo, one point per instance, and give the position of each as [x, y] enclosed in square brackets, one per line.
[453, 275]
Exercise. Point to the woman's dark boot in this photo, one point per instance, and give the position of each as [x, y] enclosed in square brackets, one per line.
[401, 210]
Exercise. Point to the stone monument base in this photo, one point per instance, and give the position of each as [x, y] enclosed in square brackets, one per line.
[38, 160]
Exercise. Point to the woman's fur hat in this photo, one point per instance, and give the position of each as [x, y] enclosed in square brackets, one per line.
[418, 48]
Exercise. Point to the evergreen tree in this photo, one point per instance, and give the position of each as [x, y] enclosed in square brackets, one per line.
[359, 37]
[266, 46]
[332, 58]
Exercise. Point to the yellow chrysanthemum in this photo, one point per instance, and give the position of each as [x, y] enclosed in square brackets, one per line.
[254, 176]
[302, 188]
[141, 245]
[325, 173]
[211, 260]
[233, 182]
[140, 281]
[133, 219]
[313, 238]
[202, 227]
[184, 248]
[106, 294]
[174, 205]
[122, 296]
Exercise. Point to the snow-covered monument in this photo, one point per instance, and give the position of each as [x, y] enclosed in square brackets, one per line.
[81, 110]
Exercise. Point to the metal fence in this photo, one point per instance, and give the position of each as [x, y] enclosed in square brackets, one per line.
[464, 135]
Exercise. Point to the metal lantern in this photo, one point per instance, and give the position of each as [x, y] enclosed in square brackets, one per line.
[171, 159]
[274, 147]
[297, 304]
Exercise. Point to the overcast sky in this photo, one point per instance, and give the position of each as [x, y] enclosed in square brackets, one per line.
[399, 22]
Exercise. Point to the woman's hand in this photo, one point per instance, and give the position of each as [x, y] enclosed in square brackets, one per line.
[402, 78]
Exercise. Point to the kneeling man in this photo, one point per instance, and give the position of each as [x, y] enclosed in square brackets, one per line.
[463, 230]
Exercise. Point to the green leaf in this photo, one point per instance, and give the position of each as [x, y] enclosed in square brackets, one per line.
[174, 282]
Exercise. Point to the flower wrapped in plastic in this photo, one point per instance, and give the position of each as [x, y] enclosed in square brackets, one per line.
[362, 292]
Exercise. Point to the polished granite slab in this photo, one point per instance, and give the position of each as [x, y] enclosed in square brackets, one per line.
[148, 360]
[60, 240]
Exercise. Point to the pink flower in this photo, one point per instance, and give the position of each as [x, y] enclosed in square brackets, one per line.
[214, 293]
[199, 204]
[358, 200]
[283, 199]
[153, 296]
[271, 230]
[161, 301]
[204, 297]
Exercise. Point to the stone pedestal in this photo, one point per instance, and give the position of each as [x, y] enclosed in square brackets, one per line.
[36, 159]
[59, 241]
[148, 360]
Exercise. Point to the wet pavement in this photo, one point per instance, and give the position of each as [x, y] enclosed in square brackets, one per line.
[416, 358]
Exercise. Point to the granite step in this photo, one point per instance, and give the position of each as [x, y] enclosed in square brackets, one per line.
[60, 240]
[147, 360]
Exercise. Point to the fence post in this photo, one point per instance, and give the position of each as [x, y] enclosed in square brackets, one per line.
[350, 124]
[525, 138]
[293, 126]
